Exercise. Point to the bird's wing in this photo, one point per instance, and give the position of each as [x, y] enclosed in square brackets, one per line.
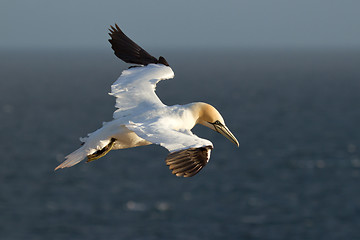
[188, 162]
[128, 51]
[188, 153]
[135, 89]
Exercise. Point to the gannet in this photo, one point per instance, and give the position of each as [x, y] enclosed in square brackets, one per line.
[142, 119]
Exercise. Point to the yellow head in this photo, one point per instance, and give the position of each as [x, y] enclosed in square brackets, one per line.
[208, 116]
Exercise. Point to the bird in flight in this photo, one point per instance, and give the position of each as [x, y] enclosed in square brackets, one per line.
[142, 119]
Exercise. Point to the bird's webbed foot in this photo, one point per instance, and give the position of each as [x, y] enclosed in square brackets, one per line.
[102, 152]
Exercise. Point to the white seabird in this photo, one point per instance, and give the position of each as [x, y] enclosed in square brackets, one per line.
[142, 119]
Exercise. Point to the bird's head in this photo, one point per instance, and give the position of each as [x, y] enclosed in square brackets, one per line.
[211, 118]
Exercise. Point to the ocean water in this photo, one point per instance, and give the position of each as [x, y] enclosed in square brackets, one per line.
[296, 174]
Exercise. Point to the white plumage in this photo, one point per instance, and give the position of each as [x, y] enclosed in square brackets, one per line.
[141, 118]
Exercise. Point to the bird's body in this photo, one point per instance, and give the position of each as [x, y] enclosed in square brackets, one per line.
[142, 119]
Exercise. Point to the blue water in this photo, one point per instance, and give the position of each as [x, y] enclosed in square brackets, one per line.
[296, 174]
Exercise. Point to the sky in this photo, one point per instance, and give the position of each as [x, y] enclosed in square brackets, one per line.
[181, 24]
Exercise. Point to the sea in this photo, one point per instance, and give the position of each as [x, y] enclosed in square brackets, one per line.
[296, 174]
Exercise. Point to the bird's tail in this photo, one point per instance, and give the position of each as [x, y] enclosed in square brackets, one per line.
[73, 158]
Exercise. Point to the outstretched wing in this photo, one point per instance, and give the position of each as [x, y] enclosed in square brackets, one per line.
[188, 162]
[128, 51]
[135, 89]
[188, 153]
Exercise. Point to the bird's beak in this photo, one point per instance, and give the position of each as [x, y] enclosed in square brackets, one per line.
[220, 128]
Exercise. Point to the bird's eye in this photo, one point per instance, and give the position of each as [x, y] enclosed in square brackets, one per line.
[216, 125]
[217, 122]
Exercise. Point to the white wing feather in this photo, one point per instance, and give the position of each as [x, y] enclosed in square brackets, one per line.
[168, 138]
[135, 89]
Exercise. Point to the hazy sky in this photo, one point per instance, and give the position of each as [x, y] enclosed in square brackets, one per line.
[170, 23]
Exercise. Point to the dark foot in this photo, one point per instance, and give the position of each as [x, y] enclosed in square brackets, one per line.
[100, 153]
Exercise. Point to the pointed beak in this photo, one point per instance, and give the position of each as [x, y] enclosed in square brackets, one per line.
[220, 128]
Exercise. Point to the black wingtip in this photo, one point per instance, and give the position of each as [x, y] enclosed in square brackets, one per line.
[162, 60]
[128, 51]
